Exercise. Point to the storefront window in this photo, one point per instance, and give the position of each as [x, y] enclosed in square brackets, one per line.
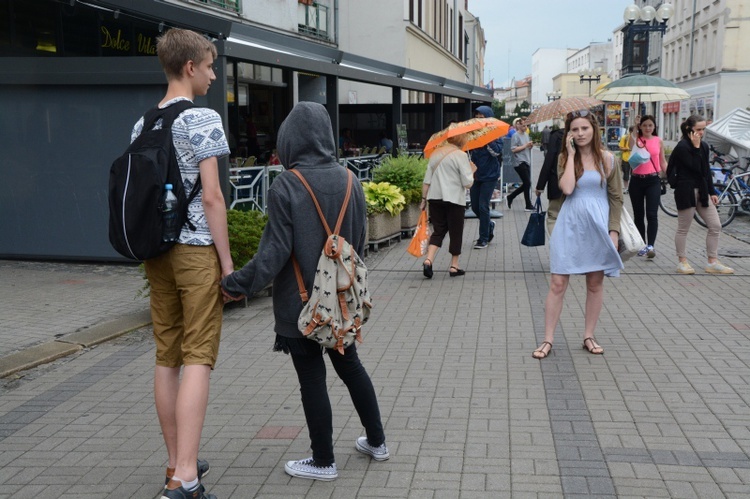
[4, 26]
[33, 31]
[50, 28]
[255, 100]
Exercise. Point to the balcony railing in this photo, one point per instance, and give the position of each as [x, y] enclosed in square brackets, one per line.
[313, 20]
[233, 5]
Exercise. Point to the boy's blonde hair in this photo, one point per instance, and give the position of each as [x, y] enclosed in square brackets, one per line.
[178, 46]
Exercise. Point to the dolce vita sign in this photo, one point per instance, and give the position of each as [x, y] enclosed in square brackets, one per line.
[116, 39]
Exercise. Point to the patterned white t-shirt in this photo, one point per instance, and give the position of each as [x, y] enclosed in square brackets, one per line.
[197, 134]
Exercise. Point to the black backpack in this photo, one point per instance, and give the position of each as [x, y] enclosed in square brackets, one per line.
[136, 187]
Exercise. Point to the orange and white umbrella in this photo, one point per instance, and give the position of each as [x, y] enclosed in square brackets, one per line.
[480, 131]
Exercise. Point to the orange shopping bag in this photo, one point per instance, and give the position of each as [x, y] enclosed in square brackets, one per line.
[418, 245]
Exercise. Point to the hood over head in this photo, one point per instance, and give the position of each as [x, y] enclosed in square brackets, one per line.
[306, 137]
[486, 111]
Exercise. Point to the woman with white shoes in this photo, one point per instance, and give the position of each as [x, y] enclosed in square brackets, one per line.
[694, 192]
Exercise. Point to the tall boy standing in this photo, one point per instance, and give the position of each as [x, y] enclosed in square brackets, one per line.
[186, 300]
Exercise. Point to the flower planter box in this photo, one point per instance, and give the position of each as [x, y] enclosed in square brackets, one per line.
[382, 226]
[410, 216]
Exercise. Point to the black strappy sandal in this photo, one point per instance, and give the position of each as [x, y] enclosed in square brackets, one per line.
[455, 273]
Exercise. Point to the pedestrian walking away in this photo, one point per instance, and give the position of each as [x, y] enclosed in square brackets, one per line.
[449, 173]
[688, 163]
[521, 145]
[584, 237]
[545, 139]
[306, 143]
[186, 301]
[645, 183]
[488, 163]
[624, 146]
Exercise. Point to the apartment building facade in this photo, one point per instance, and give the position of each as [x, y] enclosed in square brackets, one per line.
[706, 53]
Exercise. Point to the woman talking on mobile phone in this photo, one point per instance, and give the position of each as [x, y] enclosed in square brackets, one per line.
[585, 235]
[694, 191]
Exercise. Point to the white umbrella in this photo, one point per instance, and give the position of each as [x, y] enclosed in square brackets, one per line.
[641, 88]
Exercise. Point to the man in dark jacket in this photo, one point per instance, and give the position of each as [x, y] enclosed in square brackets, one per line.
[305, 143]
[548, 175]
[487, 159]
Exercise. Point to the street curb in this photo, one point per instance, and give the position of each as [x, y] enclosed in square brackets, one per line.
[72, 343]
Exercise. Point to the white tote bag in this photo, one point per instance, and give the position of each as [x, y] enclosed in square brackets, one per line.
[630, 242]
[639, 155]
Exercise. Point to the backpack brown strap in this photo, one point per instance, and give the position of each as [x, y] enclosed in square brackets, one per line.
[297, 271]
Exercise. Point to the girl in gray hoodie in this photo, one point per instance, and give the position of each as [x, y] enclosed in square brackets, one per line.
[305, 142]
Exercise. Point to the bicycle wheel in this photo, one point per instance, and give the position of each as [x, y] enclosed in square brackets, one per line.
[667, 204]
[727, 208]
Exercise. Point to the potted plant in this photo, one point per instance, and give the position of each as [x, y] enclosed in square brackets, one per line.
[384, 204]
[407, 173]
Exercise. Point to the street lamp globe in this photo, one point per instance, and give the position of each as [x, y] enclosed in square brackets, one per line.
[631, 14]
[664, 12]
[648, 13]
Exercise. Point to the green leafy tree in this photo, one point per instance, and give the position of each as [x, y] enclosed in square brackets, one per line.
[498, 107]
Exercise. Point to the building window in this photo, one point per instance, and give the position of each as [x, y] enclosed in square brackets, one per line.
[313, 20]
[233, 5]
[461, 34]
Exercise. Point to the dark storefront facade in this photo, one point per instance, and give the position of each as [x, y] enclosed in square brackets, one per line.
[76, 76]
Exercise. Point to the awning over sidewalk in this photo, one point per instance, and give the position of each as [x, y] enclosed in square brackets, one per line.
[731, 133]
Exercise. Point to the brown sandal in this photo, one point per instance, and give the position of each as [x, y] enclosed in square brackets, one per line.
[541, 352]
[593, 348]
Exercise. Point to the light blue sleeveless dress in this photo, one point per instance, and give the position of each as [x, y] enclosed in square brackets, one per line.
[580, 241]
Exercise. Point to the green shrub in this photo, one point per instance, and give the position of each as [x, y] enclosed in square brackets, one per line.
[245, 229]
[536, 137]
[382, 197]
[405, 172]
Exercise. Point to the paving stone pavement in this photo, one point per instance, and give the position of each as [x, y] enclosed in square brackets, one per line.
[468, 412]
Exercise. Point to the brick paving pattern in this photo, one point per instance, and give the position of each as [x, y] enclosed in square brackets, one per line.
[468, 412]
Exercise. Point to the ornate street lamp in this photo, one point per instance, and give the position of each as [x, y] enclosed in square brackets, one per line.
[641, 22]
[553, 96]
[590, 75]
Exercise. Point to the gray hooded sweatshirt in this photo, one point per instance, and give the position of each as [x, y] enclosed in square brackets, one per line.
[305, 142]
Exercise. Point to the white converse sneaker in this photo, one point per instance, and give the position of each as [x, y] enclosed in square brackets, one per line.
[379, 453]
[306, 468]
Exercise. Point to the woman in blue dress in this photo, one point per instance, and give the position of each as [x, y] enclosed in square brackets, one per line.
[584, 239]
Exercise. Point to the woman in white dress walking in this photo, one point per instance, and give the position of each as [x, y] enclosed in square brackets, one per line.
[584, 238]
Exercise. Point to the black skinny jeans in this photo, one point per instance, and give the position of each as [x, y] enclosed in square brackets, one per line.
[524, 171]
[311, 371]
[648, 190]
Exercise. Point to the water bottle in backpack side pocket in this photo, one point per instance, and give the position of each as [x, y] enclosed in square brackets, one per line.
[169, 215]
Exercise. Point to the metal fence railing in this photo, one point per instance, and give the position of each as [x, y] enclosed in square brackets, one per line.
[249, 184]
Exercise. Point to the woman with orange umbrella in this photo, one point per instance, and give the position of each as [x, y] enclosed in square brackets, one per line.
[448, 175]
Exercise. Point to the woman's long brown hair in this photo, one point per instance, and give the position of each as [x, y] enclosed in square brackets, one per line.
[597, 151]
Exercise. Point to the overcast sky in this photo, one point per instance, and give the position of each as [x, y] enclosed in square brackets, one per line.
[515, 29]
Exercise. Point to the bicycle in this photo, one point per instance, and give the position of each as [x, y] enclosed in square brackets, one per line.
[666, 201]
[728, 193]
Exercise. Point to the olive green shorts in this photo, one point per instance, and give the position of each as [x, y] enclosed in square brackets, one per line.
[186, 305]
